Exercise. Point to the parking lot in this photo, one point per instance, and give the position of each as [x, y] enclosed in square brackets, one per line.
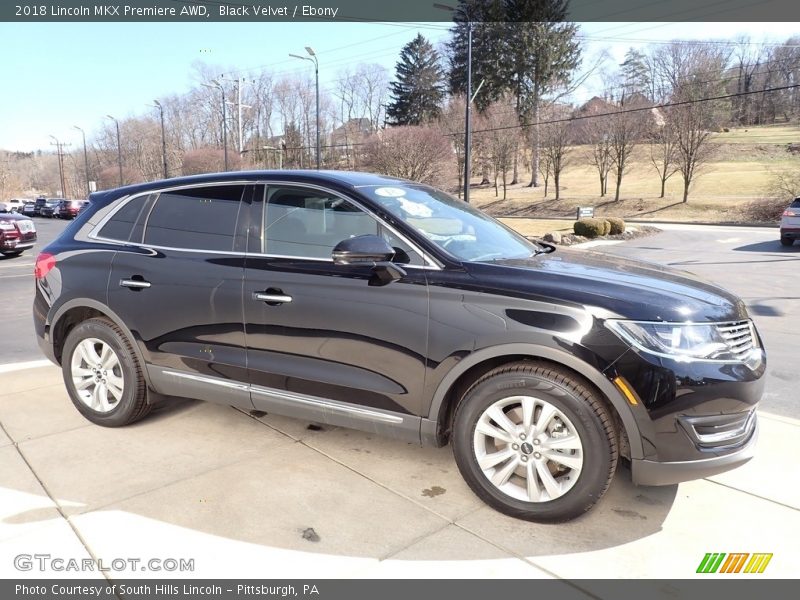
[240, 493]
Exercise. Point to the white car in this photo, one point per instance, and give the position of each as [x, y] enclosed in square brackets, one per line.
[790, 223]
[12, 205]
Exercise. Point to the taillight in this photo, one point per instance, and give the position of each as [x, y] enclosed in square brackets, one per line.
[44, 263]
[790, 213]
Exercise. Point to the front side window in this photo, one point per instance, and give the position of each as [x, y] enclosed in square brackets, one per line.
[309, 223]
[202, 218]
[460, 229]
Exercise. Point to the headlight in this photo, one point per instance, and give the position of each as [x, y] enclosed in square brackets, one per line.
[689, 341]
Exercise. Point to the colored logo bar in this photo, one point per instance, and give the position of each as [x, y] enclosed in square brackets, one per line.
[736, 562]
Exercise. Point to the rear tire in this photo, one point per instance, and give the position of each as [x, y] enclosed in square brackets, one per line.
[535, 443]
[103, 377]
[14, 253]
[785, 241]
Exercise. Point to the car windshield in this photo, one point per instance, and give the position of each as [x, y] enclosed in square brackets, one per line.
[460, 229]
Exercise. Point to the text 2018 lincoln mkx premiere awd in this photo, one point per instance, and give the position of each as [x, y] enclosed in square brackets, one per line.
[380, 304]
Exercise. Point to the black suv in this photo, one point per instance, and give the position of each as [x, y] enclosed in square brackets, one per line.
[384, 305]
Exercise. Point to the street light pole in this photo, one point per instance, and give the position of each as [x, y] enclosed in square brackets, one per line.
[468, 100]
[85, 160]
[119, 149]
[160, 108]
[313, 59]
[216, 84]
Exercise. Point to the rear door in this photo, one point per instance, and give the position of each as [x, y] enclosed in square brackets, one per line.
[332, 347]
[177, 284]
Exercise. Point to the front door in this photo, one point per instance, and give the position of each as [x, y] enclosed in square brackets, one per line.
[321, 342]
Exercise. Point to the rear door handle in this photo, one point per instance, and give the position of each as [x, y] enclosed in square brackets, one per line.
[272, 298]
[135, 284]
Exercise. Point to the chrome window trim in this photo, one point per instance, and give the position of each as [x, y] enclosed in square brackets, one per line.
[430, 262]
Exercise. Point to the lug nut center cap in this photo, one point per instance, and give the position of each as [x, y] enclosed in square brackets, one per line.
[526, 448]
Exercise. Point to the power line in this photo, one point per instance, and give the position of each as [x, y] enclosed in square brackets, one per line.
[630, 110]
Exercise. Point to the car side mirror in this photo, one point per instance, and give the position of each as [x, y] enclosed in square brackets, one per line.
[369, 250]
[362, 249]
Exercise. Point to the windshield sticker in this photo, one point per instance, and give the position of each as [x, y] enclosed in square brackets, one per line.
[390, 192]
[415, 209]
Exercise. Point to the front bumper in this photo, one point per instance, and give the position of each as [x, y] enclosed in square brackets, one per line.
[648, 472]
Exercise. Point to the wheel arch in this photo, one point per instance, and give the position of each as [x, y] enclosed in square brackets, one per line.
[75, 311]
[470, 369]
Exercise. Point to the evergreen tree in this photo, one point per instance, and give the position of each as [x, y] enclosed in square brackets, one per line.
[418, 88]
[521, 47]
[635, 73]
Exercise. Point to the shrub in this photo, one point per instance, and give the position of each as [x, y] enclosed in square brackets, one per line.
[606, 227]
[617, 225]
[590, 228]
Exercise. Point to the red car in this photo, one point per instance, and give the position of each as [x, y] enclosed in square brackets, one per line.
[69, 209]
[17, 233]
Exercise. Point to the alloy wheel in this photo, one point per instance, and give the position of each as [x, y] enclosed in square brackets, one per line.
[528, 449]
[97, 375]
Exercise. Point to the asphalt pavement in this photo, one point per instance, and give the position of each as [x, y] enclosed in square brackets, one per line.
[16, 296]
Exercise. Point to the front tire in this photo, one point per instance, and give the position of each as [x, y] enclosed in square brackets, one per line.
[535, 443]
[103, 377]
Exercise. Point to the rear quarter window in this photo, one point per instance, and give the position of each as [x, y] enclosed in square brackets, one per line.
[120, 225]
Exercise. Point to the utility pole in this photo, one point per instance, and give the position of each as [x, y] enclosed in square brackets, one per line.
[60, 149]
[85, 160]
[160, 108]
[119, 149]
[462, 12]
[217, 85]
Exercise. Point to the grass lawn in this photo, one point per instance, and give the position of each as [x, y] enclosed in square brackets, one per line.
[744, 164]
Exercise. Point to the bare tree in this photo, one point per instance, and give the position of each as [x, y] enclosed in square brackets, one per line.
[626, 131]
[556, 137]
[411, 152]
[501, 139]
[451, 121]
[663, 150]
[595, 132]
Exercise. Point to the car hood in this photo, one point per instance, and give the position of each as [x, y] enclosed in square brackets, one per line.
[628, 288]
[14, 217]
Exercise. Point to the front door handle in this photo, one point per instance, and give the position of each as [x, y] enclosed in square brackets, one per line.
[134, 284]
[271, 297]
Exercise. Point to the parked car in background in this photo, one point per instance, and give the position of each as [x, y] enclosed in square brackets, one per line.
[790, 223]
[380, 304]
[29, 208]
[17, 234]
[39, 203]
[11, 205]
[50, 209]
[69, 209]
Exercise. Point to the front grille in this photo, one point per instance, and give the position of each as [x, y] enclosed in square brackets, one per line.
[718, 432]
[739, 337]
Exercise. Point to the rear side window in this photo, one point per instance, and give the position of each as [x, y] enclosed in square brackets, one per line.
[120, 225]
[201, 218]
[796, 203]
